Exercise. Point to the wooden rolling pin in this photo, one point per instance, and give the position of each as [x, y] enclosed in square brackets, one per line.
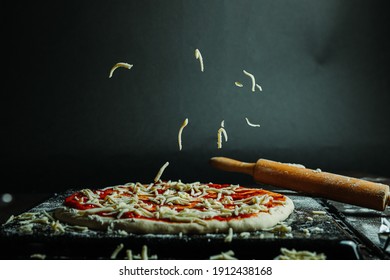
[314, 182]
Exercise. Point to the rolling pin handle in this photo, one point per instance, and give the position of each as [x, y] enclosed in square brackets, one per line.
[232, 165]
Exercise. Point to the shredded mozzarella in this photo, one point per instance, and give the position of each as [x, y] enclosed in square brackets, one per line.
[229, 237]
[238, 84]
[129, 254]
[252, 78]
[184, 124]
[28, 228]
[57, 227]
[245, 234]
[296, 165]
[160, 172]
[116, 251]
[229, 255]
[306, 232]
[280, 228]
[219, 137]
[318, 212]
[251, 124]
[299, 255]
[259, 87]
[38, 256]
[10, 219]
[144, 252]
[198, 56]
[119, 64]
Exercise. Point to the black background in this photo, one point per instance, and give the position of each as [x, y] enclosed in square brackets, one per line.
[323, 66]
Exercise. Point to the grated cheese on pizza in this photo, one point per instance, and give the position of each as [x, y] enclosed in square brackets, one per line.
[174, 201]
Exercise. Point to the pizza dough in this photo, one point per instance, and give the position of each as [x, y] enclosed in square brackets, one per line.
[174, 207]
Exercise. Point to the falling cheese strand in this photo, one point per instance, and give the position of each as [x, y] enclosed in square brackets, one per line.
[198, 56]
[251, 124]
[119, 64]
[252, 78]
[160, 172]
[238, 84]
[219, 137]
[185, 123]
[259, 87]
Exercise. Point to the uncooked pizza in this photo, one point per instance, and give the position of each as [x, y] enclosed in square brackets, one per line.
[174, 207]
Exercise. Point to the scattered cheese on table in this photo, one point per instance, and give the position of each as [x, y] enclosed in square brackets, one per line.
[116, 251]
[318, 212]
[38, 256]
[229, 255]
[229, 236]
[299, 255]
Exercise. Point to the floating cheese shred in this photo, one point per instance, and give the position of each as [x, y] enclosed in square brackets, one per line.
[259, 87]
[119, 64]
[198, 56]
[184, 124]
[238, 84]
[251, 124]
[219, 137]
[160, 172]
[223, 123]
[252, 78]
